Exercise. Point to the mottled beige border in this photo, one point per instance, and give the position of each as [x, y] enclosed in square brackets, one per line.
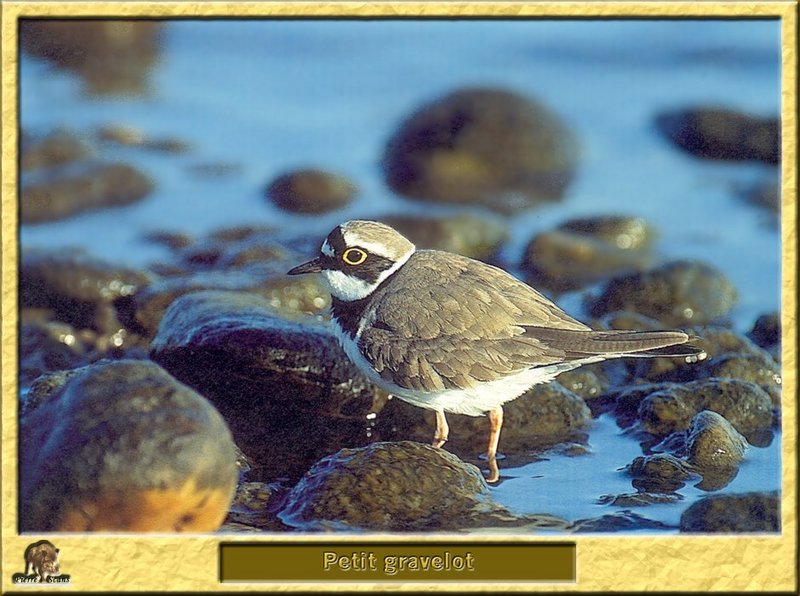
[115, 563]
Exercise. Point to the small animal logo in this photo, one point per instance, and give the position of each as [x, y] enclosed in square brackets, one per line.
[41, 565]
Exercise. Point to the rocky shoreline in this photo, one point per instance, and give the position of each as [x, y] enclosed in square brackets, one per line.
[207, 392]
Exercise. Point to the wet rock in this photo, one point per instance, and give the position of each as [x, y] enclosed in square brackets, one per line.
[243, 232]
[745, 405]
[465, 234]
[584, 251]
[395, 487]
[287, 391]
[660, 466]
[311, 191]
[44, 387]
[713, 444]
[676, 294]
[301, 300]
[214, 169]
[81, 290]
[129, 136]
[256, 250]
[588, 381]
[57, 193]
[246, 259]
[639, 499]
[171, 240]
[766, 194]
[54, 149]
[122, 446]
[729, 355]
[747, 512]
[49, 346]
[254, 505]
[111, 56]
[624, 521]
[766, 331]
[717, 133]
[716, 342]
[482, 146]
[616, 230]
[757, 368]
[545, 415]
[238, 247]
[628, 399]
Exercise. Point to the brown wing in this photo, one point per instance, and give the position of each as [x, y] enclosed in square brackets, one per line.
[451, 322]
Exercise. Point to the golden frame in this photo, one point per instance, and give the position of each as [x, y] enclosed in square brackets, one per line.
[631, 563]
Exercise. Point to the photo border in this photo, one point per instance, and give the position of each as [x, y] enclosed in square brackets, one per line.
[147, 562]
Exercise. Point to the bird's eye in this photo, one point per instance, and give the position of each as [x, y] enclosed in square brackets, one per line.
[354, 256]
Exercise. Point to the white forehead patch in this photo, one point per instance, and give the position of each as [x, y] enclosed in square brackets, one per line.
[326, 249]
[351, 239]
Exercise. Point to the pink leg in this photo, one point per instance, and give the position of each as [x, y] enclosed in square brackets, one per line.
[442, 429]
[495, 424]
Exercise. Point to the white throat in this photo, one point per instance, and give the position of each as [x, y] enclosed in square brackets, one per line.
[348, 288]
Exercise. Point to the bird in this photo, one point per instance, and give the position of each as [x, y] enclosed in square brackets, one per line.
[451, 334]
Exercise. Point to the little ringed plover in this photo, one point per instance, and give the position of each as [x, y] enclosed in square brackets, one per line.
[451, 334]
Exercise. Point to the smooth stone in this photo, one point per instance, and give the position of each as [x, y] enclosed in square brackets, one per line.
[49, 346]
[717, 342]
[300, 298]
[639, 499]
[482, 146]
[745, 405]
[588, 382]
[754, 512]
[723, 134]
[581, 252]
[63, 191]
[129, 136]
[624, 521]
[627, 400]
[766, 331]
[661, 466]
[122, 446]
[81, 290]
[765, 194]
[622, 231]
[713, 443]
[311, 191]
[391, 487]
[757, 368]
[287, 390]
[56, 148]
[254, 506]
[112, 56]
[676, 294]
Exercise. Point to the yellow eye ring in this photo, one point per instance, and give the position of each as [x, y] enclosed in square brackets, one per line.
[354, 256]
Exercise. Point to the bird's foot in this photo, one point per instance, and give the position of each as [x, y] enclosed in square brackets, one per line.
[438, 441]
[494, 471]
[442, 430]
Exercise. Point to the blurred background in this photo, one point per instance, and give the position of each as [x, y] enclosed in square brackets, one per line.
[185, 155]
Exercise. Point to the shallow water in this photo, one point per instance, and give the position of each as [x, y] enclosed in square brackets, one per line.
[268, 96]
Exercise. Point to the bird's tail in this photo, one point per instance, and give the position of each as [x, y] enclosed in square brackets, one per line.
[642, 344]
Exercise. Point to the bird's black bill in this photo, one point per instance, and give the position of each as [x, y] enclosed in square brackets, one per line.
[313, 266]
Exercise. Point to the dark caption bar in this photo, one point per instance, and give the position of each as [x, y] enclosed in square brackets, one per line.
[402, 562]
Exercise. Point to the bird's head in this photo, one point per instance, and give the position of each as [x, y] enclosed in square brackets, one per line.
[357, 256]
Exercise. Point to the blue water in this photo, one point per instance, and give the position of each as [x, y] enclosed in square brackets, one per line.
[268, 96]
